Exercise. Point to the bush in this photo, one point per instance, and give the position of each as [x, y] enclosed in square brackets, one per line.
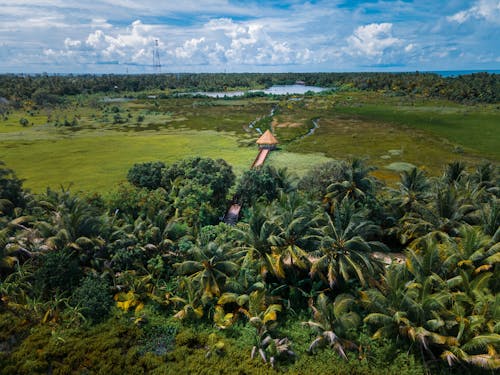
[11, 187]
[147, 175]
[94, 298]
[317, 180]
[58, 273]
[261, 182]
[215, 175]
[24, 122]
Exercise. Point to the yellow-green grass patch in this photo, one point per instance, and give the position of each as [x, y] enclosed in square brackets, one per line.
[99, 163]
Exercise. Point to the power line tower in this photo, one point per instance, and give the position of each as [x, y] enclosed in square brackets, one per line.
[156, 58]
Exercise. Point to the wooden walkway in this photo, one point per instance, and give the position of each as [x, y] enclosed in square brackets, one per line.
[233, 213]
[261, 157]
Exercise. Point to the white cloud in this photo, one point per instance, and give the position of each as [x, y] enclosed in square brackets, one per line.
[189, 48]
[70, 43]
[100, 23]
[215, 35]
[372, 40]
[134, 44]
[488, 10]
[238, 43]
[410, 47]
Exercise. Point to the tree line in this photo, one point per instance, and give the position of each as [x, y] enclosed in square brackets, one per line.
[49, 89]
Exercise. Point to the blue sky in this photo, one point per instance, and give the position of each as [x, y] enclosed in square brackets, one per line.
[117, 36]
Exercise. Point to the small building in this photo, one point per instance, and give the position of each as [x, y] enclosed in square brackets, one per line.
[267, 140]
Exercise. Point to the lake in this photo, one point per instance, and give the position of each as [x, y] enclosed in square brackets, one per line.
[273, 90]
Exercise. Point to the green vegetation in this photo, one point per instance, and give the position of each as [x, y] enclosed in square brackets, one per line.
[148, 281]
[363, 245]
[350, 124]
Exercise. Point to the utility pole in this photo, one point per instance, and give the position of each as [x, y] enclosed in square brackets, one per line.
[156, 58]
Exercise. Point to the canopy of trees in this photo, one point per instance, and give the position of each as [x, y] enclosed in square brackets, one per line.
[307, 271]
[48, 89]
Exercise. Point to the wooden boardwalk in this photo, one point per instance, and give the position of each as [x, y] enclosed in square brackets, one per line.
[233, 213]
[261, 157]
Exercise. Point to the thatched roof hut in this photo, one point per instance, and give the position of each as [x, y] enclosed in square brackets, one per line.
[267, 140]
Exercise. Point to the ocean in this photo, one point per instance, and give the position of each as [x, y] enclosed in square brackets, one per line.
[456, 73]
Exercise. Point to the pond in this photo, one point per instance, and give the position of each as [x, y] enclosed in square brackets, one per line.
[273, 90]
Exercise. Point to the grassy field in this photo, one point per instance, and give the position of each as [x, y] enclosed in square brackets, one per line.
[103, 140]
[100, 163]
[392, 130]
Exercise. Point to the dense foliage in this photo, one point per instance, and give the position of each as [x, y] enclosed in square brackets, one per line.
[335, 273]
[49, 90]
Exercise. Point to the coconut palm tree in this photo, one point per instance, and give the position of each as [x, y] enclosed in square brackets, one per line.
[209, 267]
[293, 222]
[70, 221]
[416, 311]
[454, 173]
[255, 239]
[355, 182]
[344, 250]
[414, 189]
[333, 320]
[442, 216]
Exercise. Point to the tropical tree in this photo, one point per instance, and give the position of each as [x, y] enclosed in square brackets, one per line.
[345, 250]
[414, 190]
[333, 321]
[209, 267]
[355, 182]
[255, 237]
[294, 221]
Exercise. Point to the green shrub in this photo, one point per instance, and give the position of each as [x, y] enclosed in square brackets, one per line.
[58, 273]
[94, 298]
[11, 187]
[147, 175]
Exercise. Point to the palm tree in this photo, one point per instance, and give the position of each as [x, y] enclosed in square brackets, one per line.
[13, 243]
[210, 267]
[356, 183]
[262, 316]
[344, 252]
[486, 177]
[192, 307]
[70, 222]
[443, 215]
[490, 219]
[333, 322]
[414, 189]
[293, 224]
[255, 238]
[454, 173]
[402, 306]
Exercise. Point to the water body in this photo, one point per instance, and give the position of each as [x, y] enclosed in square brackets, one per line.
[456, 73]
[273, 90]
[116, 100]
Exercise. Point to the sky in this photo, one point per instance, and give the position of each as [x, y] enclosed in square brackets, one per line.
[119, 36]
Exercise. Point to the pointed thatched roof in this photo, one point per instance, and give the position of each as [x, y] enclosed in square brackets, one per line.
[267, 139]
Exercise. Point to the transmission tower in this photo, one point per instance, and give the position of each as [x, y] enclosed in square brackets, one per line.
[156, 58]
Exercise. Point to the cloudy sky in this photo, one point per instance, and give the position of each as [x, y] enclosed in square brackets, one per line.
[118, 36]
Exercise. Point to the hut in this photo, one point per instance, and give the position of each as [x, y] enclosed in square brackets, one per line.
[267, 140]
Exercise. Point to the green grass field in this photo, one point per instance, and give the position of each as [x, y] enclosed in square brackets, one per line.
[96, 153]
[100, 163]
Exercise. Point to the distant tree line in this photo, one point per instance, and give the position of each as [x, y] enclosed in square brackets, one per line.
[48, 89]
